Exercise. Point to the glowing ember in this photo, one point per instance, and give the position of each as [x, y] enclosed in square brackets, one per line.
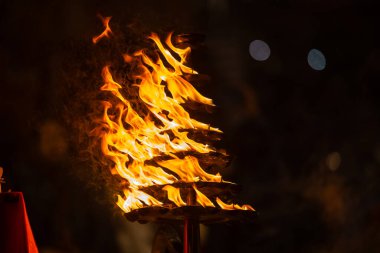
[136, 137]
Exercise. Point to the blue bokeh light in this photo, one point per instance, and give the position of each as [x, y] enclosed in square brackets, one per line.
[316, 59]
[259, 50]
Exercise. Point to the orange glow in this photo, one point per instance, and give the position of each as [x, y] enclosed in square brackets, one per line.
[233, 206]
[107, 30]
[174, 195]
[128, 58]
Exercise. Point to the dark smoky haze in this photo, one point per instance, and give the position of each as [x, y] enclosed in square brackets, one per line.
[305, 143]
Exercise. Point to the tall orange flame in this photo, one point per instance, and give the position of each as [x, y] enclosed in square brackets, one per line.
[136, 142]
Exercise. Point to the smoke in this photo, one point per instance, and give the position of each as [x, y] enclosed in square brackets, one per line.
[81, 72]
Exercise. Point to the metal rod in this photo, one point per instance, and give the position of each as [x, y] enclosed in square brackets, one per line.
[191, 233]
[186, 236]
[191, 236]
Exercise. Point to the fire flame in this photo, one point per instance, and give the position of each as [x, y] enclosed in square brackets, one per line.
[135, 141]
[107, 30]
[174, 195]
[233, 206]
[202, 199]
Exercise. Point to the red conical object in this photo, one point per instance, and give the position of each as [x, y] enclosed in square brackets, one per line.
[16, 235]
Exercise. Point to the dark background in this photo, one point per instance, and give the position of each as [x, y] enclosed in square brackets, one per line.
[306, 143]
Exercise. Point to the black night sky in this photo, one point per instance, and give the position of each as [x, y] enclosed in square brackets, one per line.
[305, 143]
